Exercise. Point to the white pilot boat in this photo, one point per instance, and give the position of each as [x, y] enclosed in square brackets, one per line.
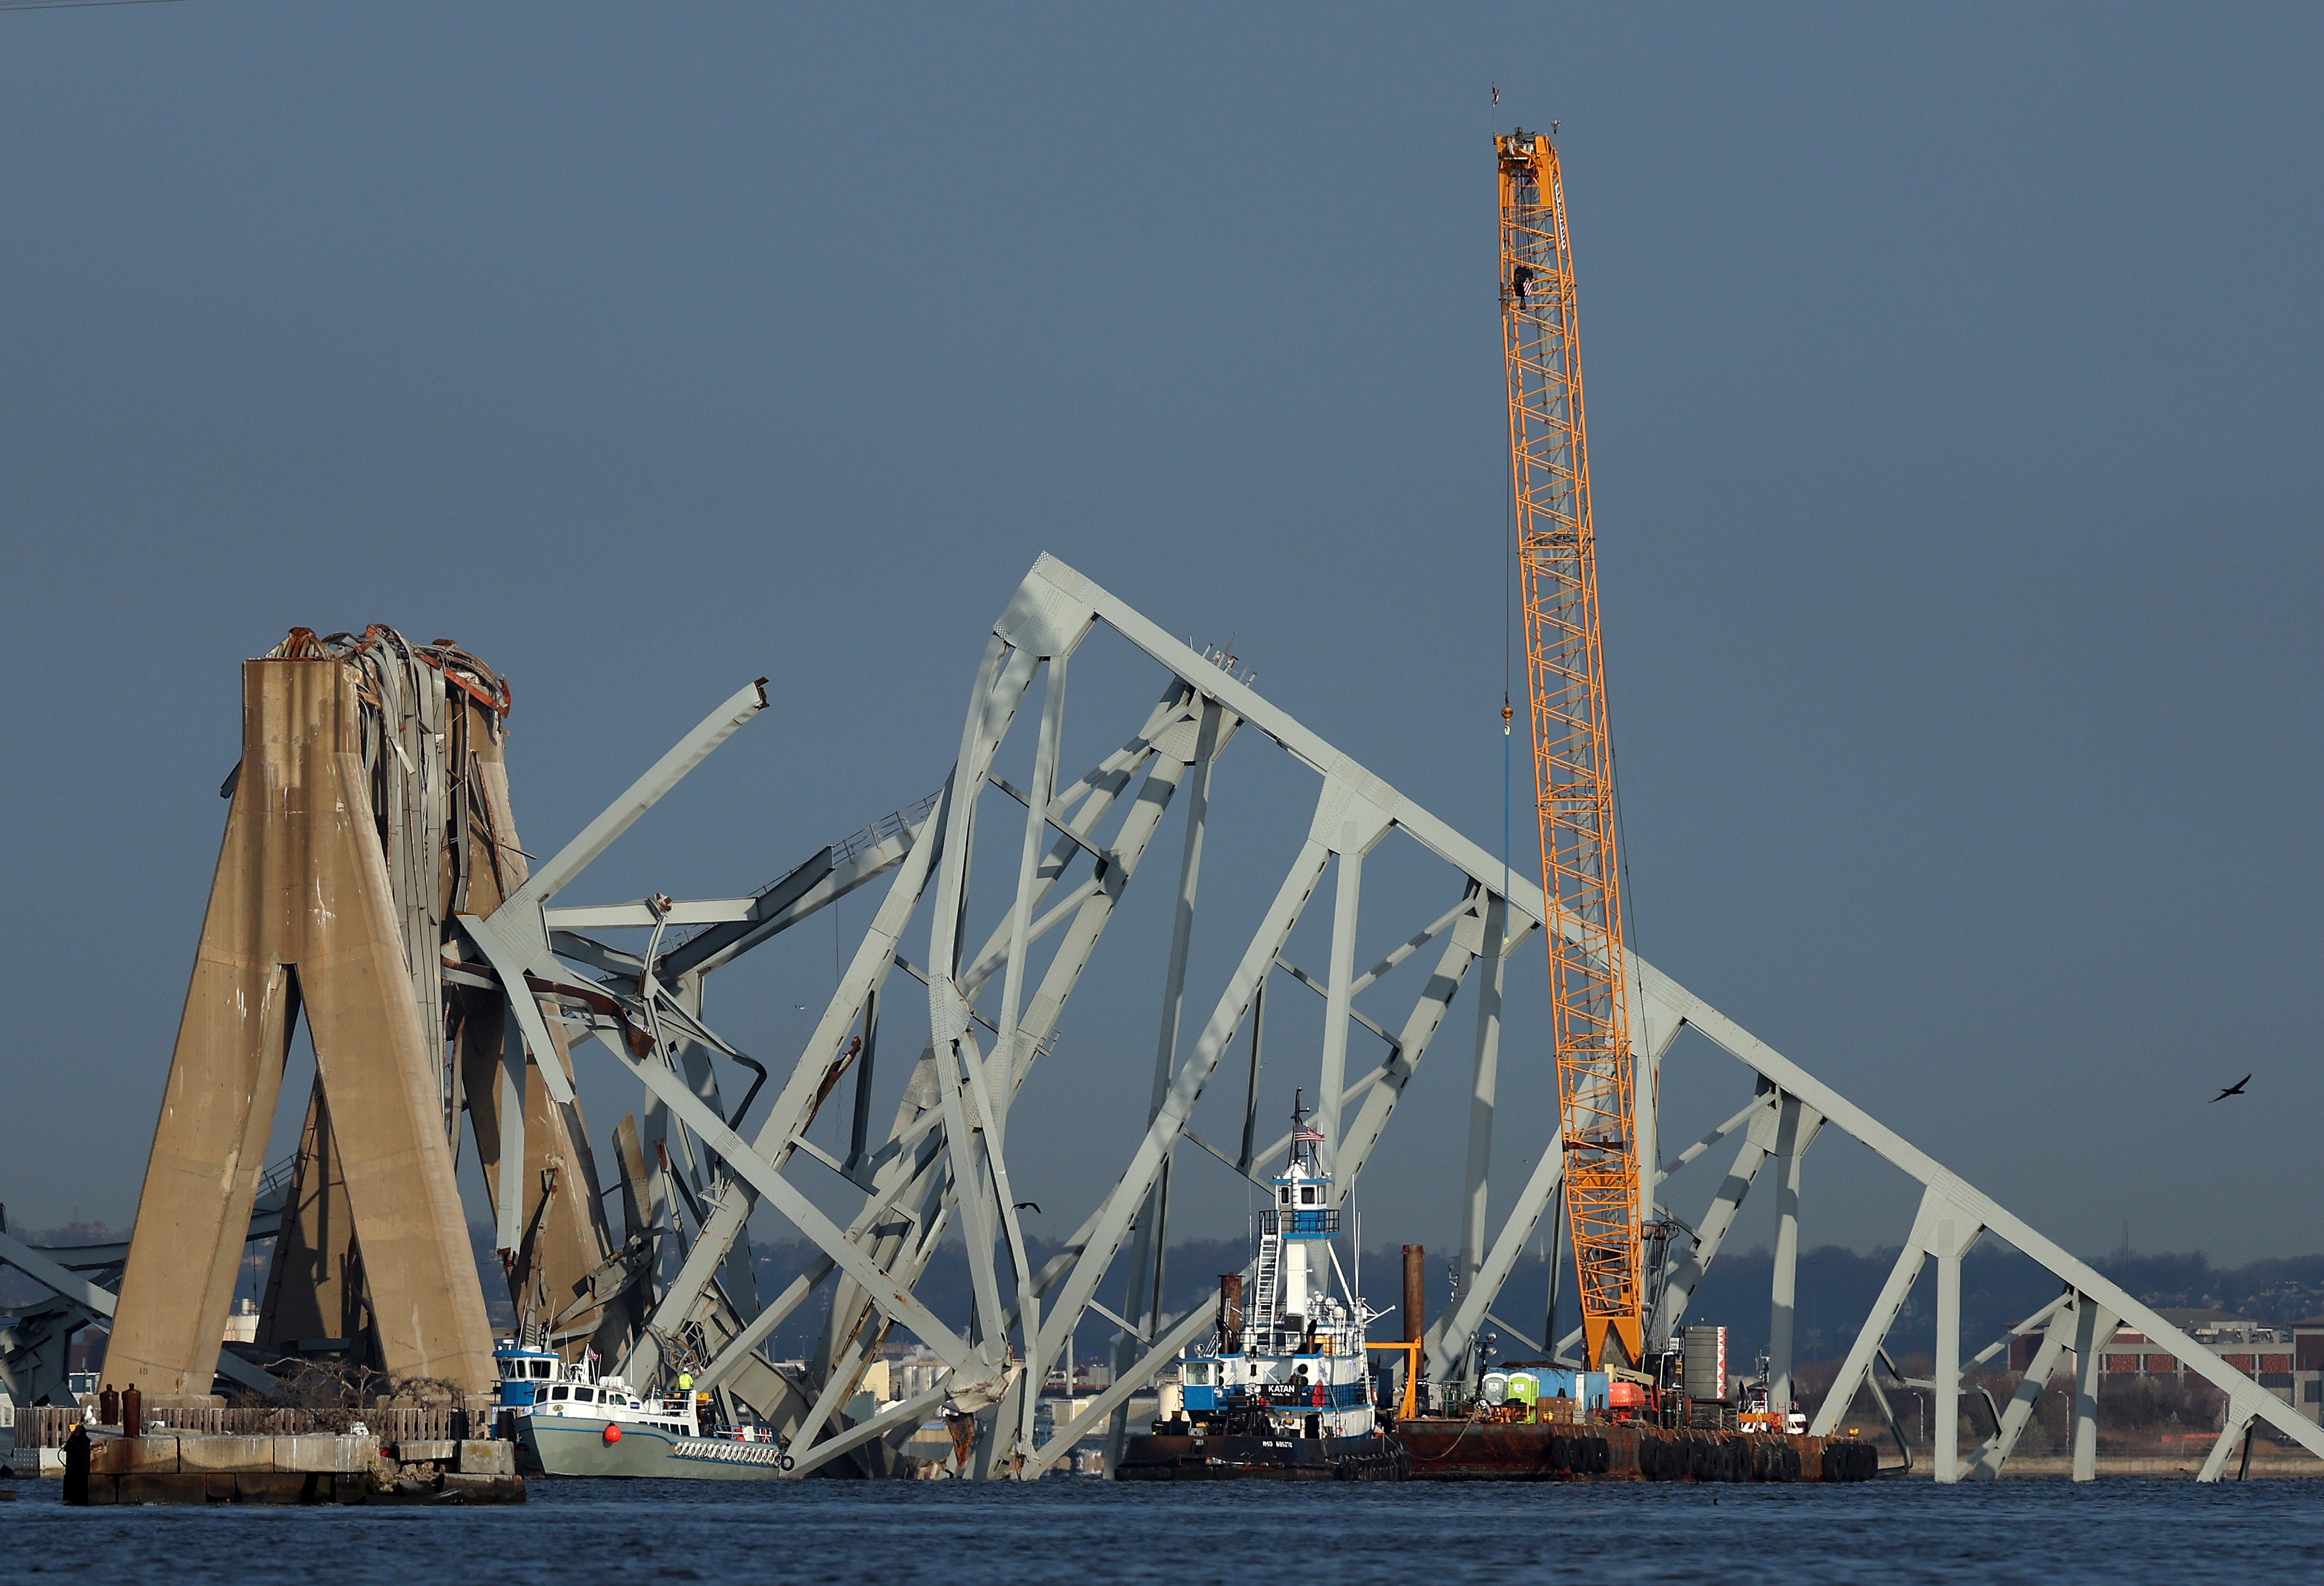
[572, 1422]
[1285, 1391]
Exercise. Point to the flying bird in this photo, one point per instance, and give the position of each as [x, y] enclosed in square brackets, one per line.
[1020, 1205]
[2235, 1089]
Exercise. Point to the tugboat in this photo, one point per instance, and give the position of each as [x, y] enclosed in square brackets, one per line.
[571, 1422]
[1285, 1393]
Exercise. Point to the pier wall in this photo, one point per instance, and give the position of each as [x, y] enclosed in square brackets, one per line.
[297, 1468]
[47, 1427]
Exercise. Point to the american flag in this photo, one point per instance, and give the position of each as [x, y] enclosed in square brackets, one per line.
[1497, 93]
[1306, 1136]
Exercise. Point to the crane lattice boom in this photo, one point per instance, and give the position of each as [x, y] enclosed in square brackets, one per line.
[1573, 779]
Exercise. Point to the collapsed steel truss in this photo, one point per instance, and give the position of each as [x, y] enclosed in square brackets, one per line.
[681, 1290]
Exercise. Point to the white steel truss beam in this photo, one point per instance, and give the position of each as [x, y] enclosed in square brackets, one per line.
[946, 1154]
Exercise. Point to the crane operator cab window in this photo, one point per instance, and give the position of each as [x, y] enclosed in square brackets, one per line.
[1286, 1195]
[1308, 1194]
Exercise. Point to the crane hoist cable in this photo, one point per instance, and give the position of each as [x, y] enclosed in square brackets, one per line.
[1573, 773]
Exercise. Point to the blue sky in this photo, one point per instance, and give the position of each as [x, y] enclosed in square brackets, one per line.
[1953, 381]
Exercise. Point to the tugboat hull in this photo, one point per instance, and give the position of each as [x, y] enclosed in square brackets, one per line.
[1162, 1458]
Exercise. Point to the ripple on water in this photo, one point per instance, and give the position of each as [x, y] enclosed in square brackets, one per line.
[582, 1533]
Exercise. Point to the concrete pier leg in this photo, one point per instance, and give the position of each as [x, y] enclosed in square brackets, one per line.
[208, 1150]
[301, 908]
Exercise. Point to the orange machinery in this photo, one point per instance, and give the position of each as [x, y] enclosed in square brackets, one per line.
[1573, 773]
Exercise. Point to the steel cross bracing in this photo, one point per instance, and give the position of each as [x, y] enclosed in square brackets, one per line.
[684, 1278]
[994, 1008]
[944, 1159]
[1790, 1108]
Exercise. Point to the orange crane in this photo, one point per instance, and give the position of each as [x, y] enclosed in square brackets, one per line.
[1573, 772]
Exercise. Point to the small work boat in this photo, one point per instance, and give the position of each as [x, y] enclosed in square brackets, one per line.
[568, 1421]
[1285, 1392]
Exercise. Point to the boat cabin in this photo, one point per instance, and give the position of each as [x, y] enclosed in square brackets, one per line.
[525, 1373]
[536, 1382]
[1297, 1365]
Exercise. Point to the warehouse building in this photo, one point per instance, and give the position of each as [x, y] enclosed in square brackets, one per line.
[2288, 1361]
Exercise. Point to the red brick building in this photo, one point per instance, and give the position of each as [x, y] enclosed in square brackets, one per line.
[2287, 1361]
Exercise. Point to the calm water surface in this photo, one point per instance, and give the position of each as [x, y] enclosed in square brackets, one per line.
[580, 1533]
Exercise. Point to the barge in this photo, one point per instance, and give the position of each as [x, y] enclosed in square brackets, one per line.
[1549, 1423]
[1484, 1449]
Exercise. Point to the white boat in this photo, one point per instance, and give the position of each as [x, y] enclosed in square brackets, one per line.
[571, 1422]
